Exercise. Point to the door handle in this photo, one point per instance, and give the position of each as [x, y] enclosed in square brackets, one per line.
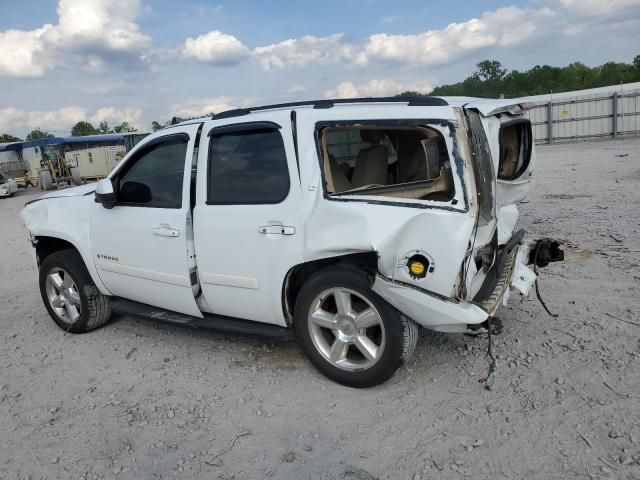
[165, 230]
[277, 230]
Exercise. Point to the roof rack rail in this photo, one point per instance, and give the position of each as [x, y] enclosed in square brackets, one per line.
[422, 101]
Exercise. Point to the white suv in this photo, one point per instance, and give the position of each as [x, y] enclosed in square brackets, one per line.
[349, 222]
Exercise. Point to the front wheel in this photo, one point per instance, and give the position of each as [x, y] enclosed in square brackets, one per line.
[350, 333]
[69, 294]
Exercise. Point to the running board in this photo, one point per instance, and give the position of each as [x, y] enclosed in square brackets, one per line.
[209, 322]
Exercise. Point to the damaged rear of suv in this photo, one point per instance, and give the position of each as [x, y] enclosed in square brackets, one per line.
[351, 222]
[435, 197]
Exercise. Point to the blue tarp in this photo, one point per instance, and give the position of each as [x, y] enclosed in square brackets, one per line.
[11, 147]
[110, 138]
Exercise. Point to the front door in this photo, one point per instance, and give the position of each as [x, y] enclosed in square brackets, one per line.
[143, 246]
[248, 217]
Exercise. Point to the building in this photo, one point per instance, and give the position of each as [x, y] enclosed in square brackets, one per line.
[94, 155]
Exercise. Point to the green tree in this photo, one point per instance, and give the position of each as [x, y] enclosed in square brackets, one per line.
[103, 127]
[7, 138]
[155, 126]
[38, 134]
[411, 93]
[125, 127]
[83, 128]
[492, 80]
[490, 70]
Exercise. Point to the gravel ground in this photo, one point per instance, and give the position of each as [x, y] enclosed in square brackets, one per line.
[143, 400]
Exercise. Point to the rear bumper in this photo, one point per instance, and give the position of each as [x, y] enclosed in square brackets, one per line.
[512, 274]
[438, 313]
[428, 310]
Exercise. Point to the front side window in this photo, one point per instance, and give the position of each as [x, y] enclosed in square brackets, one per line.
[247, 167]
[155, 177]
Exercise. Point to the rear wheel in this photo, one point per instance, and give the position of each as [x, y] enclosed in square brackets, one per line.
[348, 332]
[70, 296]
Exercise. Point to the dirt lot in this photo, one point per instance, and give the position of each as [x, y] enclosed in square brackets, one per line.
[143, 400]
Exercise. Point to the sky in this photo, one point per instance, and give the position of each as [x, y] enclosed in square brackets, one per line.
[145, 60]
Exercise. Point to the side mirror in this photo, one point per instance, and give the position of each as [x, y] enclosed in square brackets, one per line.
[105, 194]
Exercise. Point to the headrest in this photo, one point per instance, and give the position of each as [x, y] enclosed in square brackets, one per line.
[372, 136]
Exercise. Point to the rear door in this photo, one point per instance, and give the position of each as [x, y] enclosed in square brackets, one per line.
[143, 246]
[248, 224]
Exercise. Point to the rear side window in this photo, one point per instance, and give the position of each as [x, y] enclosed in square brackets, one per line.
[345, 144]
[386, 160]
[247, 167]
[155, 177]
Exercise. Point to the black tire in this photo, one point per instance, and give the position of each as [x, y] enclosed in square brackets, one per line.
[75, 176]
[45, 180]
[95, 308]
[401, 333]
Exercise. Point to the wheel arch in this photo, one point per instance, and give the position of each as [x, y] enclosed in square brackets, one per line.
[297, 275]
[45, 245]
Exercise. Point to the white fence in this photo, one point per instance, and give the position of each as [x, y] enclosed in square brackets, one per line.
[573, 118]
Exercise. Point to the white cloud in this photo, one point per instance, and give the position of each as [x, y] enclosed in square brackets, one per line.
[106, 88]
[115, 115]
[95, 30]
[61, 120]
[296, 89]
[216, 48]
[594, 8]
[500, 28]
[203, 107]
[375, 88]
[308, 50]
[99, 25]
[503, 28]
[21, 52]
[391, 18]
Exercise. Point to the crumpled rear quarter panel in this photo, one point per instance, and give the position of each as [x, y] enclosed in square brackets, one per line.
[340, 228]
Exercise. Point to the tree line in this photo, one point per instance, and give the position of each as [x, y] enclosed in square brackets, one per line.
[84, 128]
[491, 79]
[80, 129]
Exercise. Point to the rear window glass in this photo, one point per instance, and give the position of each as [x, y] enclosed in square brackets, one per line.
[515, 149]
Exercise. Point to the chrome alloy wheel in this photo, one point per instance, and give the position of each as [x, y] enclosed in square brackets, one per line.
[63, 295]
[346, 329]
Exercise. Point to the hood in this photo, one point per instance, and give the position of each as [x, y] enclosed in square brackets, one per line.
[69, 192]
